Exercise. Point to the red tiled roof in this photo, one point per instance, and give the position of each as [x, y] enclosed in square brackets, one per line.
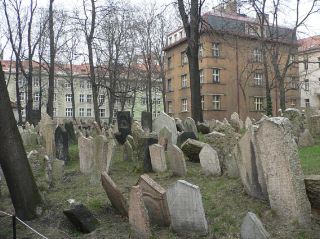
[309, 43]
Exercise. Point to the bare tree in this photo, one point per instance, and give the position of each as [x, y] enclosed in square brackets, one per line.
[52, 64]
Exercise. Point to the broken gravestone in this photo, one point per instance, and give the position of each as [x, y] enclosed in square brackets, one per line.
[191, 148]
[252, 228]
[313, 190]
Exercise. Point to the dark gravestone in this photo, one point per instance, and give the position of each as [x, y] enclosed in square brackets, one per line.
[35, 117]
[124, 123]
[149, 140]
[146, 121]
[62, 143]
[203, 128]
[120, 138]
[81, 218]
[71, 134]
[184, 136]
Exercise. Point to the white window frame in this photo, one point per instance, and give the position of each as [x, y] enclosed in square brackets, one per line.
[67, 84]
[257, 55]
[81, 85]
[184, 105]
[89, 98]
[101, 99]
[306, 85]
[81, 112]
[216, 102]
[216, 75]
[36, 82]
[69, 112]
[215, 49]
[200, 52]
[201, 76]
[258, 79]
[82, 98]
[89, 86]
[68, 97]
[184, 81]
[22, 96]
[89, 112]
[258, 103]
[170, 111]
[36, 97]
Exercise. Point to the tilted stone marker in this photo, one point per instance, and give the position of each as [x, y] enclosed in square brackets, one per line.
[86, 154]
[248, 123]
[100, 152]
[190, 125]
[146, 121]
[252, 228]
[209, 161]
[313, 190]
[128, 151]
[138, 215]
[282, 170]
[177, 162]
[155, 200]
[165, 137]
[186, 209]
[47, 128]
[164, 120]
[124, 124]
[115, 196]
[158, 158]
[191, 148]
[184, 136]
[305, 139]
[149, 140]
[62, 143]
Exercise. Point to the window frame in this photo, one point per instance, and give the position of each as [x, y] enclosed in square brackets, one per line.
[216, 102]
[215, 49]
[184, 81]
[184, 105]
[216, 75]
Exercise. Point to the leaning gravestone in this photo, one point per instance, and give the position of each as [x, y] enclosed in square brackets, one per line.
[186, 209]
[235, 121]
[85, 154]
[127, 151]
[100, 152]
[115, 196]
[179, 125]
[47, 128]
[313, 190]
[203, 128]
[62, 143]
[71, 133]
[158, 158]
[177, 163]
[305, 139]
[190, 125]
[295, 117]
[252, 228]
[184, 136]
[138, 215]
[149, 140]
[164, 120]
[146, 121]
[191, 148]
[282, 170]
[155, 200]
[314, 125]
[248, 123]
[209, 161]
[165, 137]
[124, 123]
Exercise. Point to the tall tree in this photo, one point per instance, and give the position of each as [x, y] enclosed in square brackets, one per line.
[191, 24]
[13, 160]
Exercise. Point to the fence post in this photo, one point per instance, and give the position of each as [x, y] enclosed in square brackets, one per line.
[14, 232]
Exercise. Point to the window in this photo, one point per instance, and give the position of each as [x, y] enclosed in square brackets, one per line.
[216, 102]
[157, 101]
[184, 58]
[102, 112]
[21, 82]
[67, 84]
[305, 63]
[81, 84]
[89, 98]
[115, 112]
[22, 96]
[89, 112]
[216, 75]
[101, 99]
[169, 62]
[184, 105]
[258, 103]
[184, 82]
[143, 100]
[170, 111]
[200, 54]
[201, 76]
[81, 112]
[307, 103]
[81, 98]
[293, 102]
[36, 82]
[169, 85]
[89, 86]
[69, 112]
[36, 97]
[117, 101]
[54, 112]
[293, 84]
[215, 49]
[23, 113]
[257, 55]
[306, 85]
[202, 102]
[54, 97]
[258, 79]
[68, 97]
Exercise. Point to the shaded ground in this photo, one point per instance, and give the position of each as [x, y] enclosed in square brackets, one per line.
[224, 199]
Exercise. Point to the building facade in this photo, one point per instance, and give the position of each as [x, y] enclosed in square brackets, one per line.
[232, 73]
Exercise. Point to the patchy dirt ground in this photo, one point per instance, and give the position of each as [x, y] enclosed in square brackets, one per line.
[224, 199]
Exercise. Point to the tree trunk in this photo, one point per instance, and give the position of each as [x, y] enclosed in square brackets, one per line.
[18, 93]
[14, 163]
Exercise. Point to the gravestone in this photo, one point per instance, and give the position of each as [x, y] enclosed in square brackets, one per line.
[312, 183]
[177, 163]
[282, 170]
[57, 170]
[71, 133]
[179, 125]
[155, 200]
[158, 158]
[248, 123]
[190, 125]
[146, 121]
[100, 152]
[164, 120]
[235, 121]
[184, 136]
[128, 151]
[86, 154]
[110, 152]
[138, 215]
[115, 196]
[191, 148]
[164, 137]
[305, 139]
[131, 141]
[149, 140]
[314, 125]
[47, 127]
[186, 209]
[295, 117]
[252, 228]
[209, 161]
[124, 124]
[203, 128]
[62, 143]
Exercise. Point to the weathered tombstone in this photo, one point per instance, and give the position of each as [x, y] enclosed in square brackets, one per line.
[85, 154]
[128, 151]
[81, 218]
[115, 196]
[314, 125]
[131, 141]
[164, 137]
[203, 128]
[191, 148]
[184, 136]
[186, 209]
[249, 165]
[149, 140]
[235, 121]
[158, 158]
[62, 143]
[57, 170]
[252, 228]
[190, 125]
[179, 124]
[295, 117]
[146, 121]
[47, 128]
[282, 170]
[177, 163]
[209, 161]
[110, 152]
[48, 170]
[100, 152]
[248, 123]
[312, 183]
[71, 133]
[305, 139]
[164, 120]
[155, 200]
[124, 123]
[138, 215]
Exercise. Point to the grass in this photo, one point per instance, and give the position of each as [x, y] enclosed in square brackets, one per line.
[224, 200]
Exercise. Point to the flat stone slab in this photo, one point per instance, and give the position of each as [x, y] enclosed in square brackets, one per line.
[115, 196]
[252, 228]
[186, 209]
[155, 200]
